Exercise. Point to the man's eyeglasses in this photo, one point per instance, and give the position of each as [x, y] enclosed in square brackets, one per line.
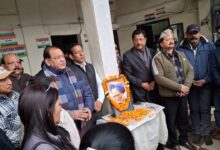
[58, 57]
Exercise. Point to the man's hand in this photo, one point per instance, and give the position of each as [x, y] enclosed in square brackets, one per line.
[198, 83]
[98, 105]
[54, 85]
[184, 90]
[152, 84]
[146, 86]
[79, 115]
[82, 115]
[183, 94]
[89, 113]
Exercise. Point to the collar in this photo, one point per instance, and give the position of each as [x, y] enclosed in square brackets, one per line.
[16, 76]
[174, 53]
[9, 96]
[185, 42]
[135, 49]
[82, 65]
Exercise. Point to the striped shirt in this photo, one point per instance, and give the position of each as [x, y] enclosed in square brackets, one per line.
[9, 119]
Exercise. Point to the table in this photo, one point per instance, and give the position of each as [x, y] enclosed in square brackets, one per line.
[149, 132]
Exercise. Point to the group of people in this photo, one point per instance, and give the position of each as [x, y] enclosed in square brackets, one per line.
[175, 76]
[66, 97]
[55, 105]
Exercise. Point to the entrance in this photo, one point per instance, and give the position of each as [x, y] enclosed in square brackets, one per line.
[153, 30]
[62, 41]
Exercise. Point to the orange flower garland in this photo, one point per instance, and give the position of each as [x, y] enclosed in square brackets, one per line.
[119, 106]
[127, 117]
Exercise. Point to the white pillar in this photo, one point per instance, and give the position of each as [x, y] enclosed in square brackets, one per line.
[203, 13]
[97, 19]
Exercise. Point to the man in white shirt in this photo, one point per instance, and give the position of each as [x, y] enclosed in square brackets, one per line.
[87, 72]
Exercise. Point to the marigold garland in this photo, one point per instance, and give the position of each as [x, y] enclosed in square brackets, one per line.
[127, 117]
[119, 106]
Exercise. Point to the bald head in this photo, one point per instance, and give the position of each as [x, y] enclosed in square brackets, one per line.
[11, 62]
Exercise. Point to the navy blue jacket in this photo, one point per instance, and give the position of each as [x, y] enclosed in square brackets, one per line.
[217, 43]
[201, 62]
[215, 67]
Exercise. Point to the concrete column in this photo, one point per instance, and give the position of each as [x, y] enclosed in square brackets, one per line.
[204, 15]
[97, 19]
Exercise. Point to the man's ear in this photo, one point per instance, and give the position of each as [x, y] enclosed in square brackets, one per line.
[47, 61]
[71, 56]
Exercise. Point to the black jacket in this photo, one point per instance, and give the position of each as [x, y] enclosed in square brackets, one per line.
[215, 67]
[20, 83]
[136, 72]
[41, 78]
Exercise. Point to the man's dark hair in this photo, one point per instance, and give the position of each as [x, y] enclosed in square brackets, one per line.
[70, 46]
[3, 58]
[137, 32]
[46, 53]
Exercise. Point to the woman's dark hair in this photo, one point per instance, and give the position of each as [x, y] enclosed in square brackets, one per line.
[137, 32]
[108, 136]
[36, 108]
[46, 53]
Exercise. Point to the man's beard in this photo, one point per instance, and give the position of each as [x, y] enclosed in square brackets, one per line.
[194, 41]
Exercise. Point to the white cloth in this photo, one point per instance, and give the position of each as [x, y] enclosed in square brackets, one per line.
[148, 132]
[68, 124]
[148, 135]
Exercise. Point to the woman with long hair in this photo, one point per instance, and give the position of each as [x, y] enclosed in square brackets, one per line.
[39, 110]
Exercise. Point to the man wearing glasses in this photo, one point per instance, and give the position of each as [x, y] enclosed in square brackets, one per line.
[76, 95]
[198, 50]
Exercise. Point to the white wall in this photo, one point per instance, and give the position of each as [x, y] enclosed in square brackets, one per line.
[134, 12]
[205, 13]
[33, 19]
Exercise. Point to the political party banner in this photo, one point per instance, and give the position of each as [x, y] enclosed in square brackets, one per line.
[20, 50]
[7, 37]
[42, 42]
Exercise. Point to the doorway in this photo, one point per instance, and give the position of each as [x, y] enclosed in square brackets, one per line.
[62, 41]
[153, 30]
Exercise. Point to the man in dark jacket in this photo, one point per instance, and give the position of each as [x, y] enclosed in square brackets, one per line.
[215, 70]
[76, 95]
[198, 51]
[19, 79]
[217, 43]
[137, 68]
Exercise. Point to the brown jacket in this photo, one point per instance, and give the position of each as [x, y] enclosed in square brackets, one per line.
[165, 74]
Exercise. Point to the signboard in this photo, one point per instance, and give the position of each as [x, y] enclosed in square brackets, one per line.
[20, 50]
[7, 37]
[42, 42]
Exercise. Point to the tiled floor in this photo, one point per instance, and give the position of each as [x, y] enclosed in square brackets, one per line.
[216, 143]
[215, 146]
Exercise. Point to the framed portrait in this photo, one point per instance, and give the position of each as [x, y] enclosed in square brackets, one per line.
[117, 90]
